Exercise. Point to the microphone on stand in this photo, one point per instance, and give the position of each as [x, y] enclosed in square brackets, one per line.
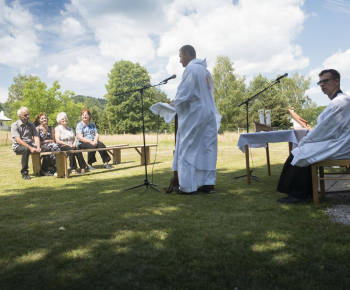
[281, 77]
[166, 80]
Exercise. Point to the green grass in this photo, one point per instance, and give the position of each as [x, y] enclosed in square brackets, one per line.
[114, 239]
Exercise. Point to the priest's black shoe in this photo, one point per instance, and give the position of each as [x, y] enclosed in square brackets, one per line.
[186, 193]
[291, 199]
[209, 189]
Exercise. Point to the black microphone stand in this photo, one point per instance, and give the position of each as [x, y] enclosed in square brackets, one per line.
[246, 102]
[146, 181]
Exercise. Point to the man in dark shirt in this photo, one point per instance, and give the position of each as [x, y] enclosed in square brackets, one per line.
[25, 139]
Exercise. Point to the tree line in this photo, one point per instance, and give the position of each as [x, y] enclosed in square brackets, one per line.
[118, 111]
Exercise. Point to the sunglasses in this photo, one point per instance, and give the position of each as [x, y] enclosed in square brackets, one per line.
[323, 81]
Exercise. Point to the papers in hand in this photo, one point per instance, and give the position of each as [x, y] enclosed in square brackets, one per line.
[164, 110]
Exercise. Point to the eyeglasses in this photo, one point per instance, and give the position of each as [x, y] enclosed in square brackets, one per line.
[323, 81]
[25, 115]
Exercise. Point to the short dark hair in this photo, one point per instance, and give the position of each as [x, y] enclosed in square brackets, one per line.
[190, 49]
[333, 72]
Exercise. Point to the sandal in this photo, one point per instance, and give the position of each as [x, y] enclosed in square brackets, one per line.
[74, 171]
[82, 171]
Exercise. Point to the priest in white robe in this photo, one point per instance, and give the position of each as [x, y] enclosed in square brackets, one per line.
[198, 124]
[330, 139]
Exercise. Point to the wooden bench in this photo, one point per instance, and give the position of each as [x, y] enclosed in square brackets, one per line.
[118, 153]
[61, 157]
[318, 167]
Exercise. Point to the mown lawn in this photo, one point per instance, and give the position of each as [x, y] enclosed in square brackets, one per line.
[238, 238]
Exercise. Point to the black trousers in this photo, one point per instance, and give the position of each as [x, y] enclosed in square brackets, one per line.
[72, 160]
[294, 180]
[25, 152]
[91, 155]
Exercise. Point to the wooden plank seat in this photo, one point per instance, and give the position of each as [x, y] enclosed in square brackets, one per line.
[114, 150]
[61, 158]
[317, 170]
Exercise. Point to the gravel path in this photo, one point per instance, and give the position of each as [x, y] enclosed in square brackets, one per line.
[340, 212]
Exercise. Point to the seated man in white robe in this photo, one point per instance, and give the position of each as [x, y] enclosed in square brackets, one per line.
[198, 124]
[330, 139]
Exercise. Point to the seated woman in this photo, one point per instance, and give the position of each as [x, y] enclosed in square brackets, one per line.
[88, 139]
[66, 139]
[47, 144]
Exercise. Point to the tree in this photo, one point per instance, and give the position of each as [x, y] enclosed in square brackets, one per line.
[294, 89]
[310, 114]
[37, 97]
[272, 99]
[229, 91]
[15, 91]
[290, 92]
[124, 111]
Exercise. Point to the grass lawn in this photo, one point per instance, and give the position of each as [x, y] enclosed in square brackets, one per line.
[238, 238]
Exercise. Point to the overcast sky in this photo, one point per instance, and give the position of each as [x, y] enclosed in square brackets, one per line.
[77, 42]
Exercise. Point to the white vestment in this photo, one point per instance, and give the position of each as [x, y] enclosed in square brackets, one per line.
[198, 125]
[330, 139]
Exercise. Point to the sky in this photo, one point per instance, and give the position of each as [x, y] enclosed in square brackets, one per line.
[77, 42]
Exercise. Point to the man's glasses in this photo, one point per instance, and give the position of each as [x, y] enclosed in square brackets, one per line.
[25, 115]
[323, 81]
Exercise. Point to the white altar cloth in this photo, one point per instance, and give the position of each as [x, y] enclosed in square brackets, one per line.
[260, 139]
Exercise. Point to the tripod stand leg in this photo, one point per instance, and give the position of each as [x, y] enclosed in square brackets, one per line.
[251, 176]
[146, 183]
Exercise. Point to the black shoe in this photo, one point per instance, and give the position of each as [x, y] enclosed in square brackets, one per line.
[43, 173]
[186, 193]
[209, 189]
[291, 199]
[25, 175]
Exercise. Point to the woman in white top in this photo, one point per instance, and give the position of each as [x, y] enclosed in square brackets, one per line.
[66, 139]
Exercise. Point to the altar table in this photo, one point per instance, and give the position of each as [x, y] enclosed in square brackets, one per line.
[261, 139]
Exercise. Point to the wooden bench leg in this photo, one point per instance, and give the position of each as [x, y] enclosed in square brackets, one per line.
[117, 156]
[148, 151]
[61, 163]
[314, 184]
[36, 164]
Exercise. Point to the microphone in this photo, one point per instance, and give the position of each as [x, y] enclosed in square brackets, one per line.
[166, 80]
[281, 77]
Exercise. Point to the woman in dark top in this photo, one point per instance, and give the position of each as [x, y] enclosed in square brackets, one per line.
[47, 142]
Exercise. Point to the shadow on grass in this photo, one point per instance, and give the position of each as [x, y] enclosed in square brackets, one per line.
[238, 237]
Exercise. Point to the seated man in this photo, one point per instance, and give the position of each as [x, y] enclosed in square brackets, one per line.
[330, 139]
[23, 132]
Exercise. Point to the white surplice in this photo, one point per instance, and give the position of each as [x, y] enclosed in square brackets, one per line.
[198, 124]
[330, 139]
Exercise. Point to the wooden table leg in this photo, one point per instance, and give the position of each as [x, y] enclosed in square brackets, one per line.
[246, 151]
[290, 146]
[268, 160]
